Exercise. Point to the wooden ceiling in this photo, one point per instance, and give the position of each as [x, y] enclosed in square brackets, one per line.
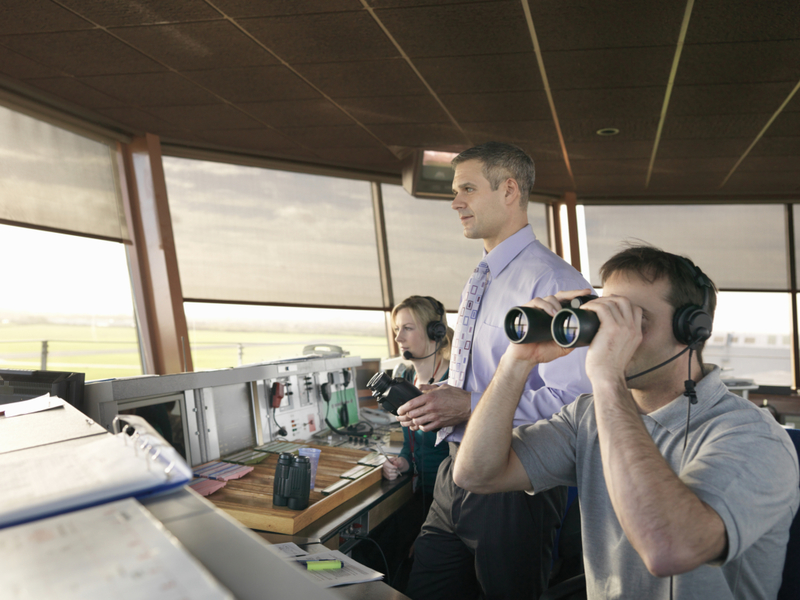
[704, 93]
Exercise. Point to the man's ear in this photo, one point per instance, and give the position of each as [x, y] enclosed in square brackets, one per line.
[511, 191]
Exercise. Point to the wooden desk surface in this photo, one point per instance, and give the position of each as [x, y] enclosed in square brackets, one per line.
[249, 499]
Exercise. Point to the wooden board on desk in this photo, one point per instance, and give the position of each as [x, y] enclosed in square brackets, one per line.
[249, 499]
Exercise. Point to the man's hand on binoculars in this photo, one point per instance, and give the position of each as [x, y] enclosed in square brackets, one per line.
[438, 406]
[617, 339]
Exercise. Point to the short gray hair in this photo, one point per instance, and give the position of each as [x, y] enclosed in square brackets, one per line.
[501, 161]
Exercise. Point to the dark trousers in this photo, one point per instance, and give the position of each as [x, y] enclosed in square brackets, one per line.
[484, 545]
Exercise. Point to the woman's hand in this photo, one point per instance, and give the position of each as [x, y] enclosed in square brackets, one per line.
[394, 467]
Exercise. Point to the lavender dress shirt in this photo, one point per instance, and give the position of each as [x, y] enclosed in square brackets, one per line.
[520, 269]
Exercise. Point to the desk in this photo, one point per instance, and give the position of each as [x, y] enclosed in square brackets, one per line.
[239, 559]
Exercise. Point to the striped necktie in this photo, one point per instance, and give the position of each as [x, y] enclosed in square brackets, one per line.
[465, 329]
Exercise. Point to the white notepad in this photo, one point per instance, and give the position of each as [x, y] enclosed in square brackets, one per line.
[48, 480]
[117, 550]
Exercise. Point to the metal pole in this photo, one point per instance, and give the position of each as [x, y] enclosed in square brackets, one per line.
[44, 355]
[792, 265]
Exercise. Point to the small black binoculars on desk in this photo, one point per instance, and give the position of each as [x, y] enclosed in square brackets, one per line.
[292, 485]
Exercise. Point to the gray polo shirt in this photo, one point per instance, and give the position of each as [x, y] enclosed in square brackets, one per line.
[738, 460]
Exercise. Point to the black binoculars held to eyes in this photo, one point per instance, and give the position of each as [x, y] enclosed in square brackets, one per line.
[569, 328]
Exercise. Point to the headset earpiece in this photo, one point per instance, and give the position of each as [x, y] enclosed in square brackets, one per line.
[437, 330]
[691, 323]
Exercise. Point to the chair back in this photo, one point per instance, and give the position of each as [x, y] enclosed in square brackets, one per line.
[790, 585]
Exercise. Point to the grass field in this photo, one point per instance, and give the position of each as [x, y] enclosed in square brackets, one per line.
[107, 352]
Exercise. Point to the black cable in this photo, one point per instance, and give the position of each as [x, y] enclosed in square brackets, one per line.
[281, 430]
[666, 362]
[691, 395]
[378, 546]
[351, 429]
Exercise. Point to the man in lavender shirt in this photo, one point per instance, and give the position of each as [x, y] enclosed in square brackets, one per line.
[497, 545]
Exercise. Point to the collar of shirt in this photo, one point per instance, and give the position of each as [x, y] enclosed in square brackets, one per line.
[500, 256]
[709, 391]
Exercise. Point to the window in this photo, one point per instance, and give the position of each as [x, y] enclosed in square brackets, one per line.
[752, 337]
[66, 305]
[229, 335]
[246, 234]
[54, 179]
[739, 246]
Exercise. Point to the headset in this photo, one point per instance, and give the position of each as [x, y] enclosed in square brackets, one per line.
[692, 324]
[437, 330]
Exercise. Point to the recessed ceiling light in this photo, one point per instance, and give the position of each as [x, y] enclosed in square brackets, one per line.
[606, 131]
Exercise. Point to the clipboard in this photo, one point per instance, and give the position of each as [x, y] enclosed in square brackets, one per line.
[54, 479]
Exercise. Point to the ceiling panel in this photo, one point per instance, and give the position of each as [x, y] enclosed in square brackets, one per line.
[729, 99]
[701, 182]
[197, 46]
[35, 16]
[19, 67]
[743, 63]
[696, 148]
[79, 93]
[207, 116]
[152, 89]
[375, 155]
[254, 84]
[273, 8]
[542, 133]
[458, 30]
[322, 38]
[346, 96]
[142, 12]
[576, 25]
[436, 136]
[340, 136]
[405, 3]
[81, 53]
[609, 68]
[756, 181]
[713, 127]
[608, 148]
[622, 166]
[364, 78]
[395, 109]
[787, 124]
[719, 21]
[260, 140]
[630, 130]
[140, 121]
[680, 166]
[314, 111]
[510, 106]
[485, 73]
[610, 103]
[768, 163]
[777, 146]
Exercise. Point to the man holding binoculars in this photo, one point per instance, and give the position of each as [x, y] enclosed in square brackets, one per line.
[685, 488]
